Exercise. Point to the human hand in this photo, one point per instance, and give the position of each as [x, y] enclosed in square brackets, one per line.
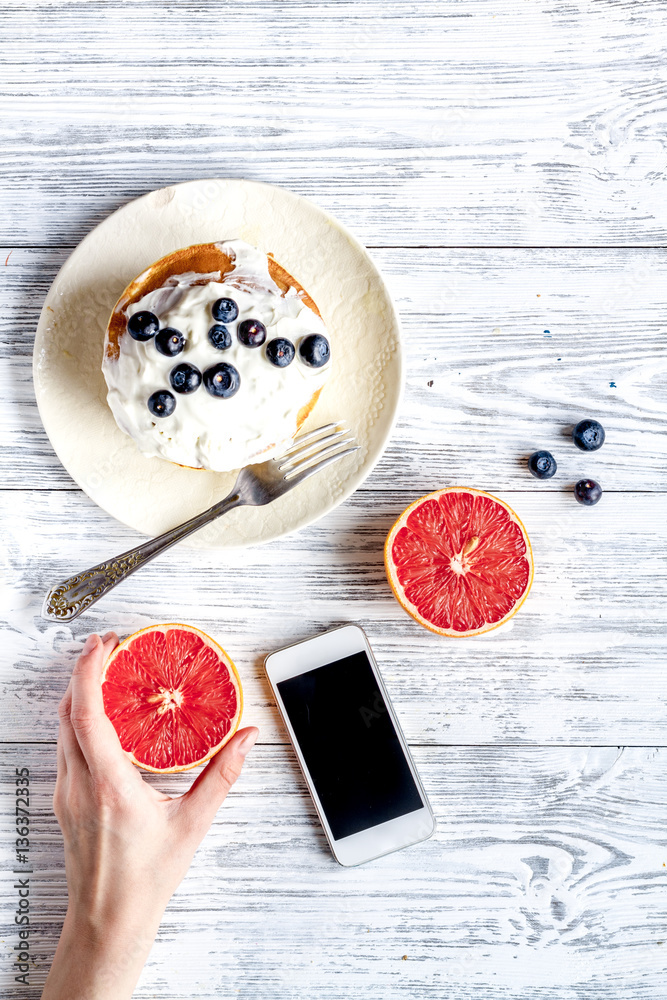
[127, 846]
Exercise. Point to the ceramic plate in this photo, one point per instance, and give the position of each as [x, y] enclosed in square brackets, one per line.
[150, 494]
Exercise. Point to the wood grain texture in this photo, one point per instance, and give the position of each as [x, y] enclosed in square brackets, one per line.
[425, 127]
[582, 661]
[505, 351]
[482, 122]
[545, 880]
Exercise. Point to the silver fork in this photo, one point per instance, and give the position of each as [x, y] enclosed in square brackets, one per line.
[256, 485]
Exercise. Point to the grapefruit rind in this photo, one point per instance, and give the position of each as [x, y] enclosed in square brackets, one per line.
[398, 589]
[233, 675]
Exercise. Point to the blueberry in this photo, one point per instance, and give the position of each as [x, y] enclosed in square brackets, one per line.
[170, 342]
[185, 378]
[542, 464]
[587, 491]
[225, 310]
[251, 332]
[161, 404]
[222, 380]
[220, 337]
[280, 352]
[143, 325]
[314, 350]
[588, 435]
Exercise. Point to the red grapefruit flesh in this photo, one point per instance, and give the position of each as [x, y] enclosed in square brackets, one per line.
[173, 695]
[459, 561]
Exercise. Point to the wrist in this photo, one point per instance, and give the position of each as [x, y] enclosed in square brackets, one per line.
[98, 962]
[111, 927]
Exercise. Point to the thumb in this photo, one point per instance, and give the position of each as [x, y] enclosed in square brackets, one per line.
[201, 802]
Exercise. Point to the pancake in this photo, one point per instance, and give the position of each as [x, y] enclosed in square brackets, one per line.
[214, 357]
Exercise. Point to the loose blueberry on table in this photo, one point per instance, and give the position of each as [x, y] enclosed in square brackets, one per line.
[220, 337]
[224, 310]
[162, 403]
[588, 435]
[280, 352]
[251, 332]
[222, 380]
[143, 325]
[314, 350]
[185, 378]
[170, 342]
[587, 492]
[542, 464]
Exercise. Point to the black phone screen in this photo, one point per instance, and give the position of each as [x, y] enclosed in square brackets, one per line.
[350, 745]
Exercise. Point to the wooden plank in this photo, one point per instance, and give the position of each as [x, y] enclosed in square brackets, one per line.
[480, 123]
[505, 351]
[581, 662]
[477, 123]
[545, 880]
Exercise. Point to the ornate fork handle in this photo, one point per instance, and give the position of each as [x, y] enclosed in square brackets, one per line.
[68, 599]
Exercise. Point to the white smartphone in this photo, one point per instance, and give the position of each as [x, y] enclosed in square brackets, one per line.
[349, 744]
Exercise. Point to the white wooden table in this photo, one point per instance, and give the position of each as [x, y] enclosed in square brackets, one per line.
[505, 164]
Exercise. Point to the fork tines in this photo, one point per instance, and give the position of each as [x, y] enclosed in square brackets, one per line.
[324, 445]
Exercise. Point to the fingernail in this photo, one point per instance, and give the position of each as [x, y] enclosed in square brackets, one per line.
[90, 644]
[107, 636]
[248, 742]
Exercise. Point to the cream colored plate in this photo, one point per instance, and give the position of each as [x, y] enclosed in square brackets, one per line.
[364, 388]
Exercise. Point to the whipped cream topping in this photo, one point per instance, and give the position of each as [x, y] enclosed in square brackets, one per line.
[205, 430]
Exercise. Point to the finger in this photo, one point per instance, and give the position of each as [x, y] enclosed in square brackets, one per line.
[59, 789]
[94, 732]
[201, 802]
[61, 761]
[67, 742]
[109, 641]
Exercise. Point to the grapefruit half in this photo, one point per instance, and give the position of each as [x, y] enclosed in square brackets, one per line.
[173, 695]
[459, 561]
